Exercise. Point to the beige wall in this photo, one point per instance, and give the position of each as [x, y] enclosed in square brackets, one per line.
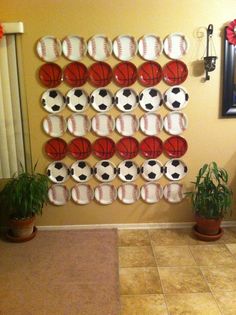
[209, 137]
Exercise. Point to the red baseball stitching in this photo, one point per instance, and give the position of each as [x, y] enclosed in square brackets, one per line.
[169, 44]
[65, 193]
[77, 192]
[156, 47]
[181, 122]
[145, 193]
[122, 192]
[50, 126]
[145, 120]
[181, 45]
[93, 43]
[54, 196]
[100, 193]
[169, 122]
[144, 47]
[69, 47]
[113, 193]
[97, 124]
[132, 47]
[180, 192]
[119, 48]
[73, 123]
[133, 123]
[105, 47]
[110, 124]
[134, 192]
[158, 194]
[43, 48]
[122, 127]
[56, 48]
[81, 46]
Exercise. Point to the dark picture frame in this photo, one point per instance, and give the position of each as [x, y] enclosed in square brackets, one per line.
[229, 79]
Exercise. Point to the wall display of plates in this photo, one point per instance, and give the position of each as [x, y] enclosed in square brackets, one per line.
[102, 100]
[126, 99]
[175, 72]
[125, 73]
[100, 74]
[150, 73]
[152, 170]
[82, 194]
[104, 148]
[105, 171]
[99, 47]
[77, 100]
[75, 74]
[103, 124]
[176, 98]
[49, 48]
[128, 171]
[81, 171]
[105, 194]
[151, 124]
[56, 149]
[174, 192]
[58, 194]
[58, 172]
[53, 101]
[150, 47]
[151, 147]
[54, 125]
[127, 124]
[151, 192]
[78, 124]
[150, 99]
[128, 193]
[124, 47]
[175, 169]
[175, 146]
[50, 75]
[127, 148]
[80, 148]
[176, 45]
[74, 47]
[175, 123]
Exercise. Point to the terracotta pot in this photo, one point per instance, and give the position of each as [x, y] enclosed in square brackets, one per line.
[22, 228]
[208, 226]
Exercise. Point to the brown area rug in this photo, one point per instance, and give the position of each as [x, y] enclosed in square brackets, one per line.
[61, 273]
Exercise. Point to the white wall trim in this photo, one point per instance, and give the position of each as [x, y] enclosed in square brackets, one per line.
[13, 28]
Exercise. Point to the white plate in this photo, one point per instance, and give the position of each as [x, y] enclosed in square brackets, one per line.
[103, 124]
[54, 125]
[126, 99]
[176, 97]
[175, 45]
[82, 194]
[77, 100]
[127, 124]
[175, 169]
[151, 124]
[105, 194]
[124, 47]
[74, 47]
[150, 47]
[78, 124]
[174, 192]
[58, 194]
[151, 192]
[128, 193]
[81, 171]
[49, 48]
[105, 171]
[175, 123]
[53, 101]
[128, 170]
[150, 99]
[58, 172]
[152, 170]
[102, 100]
[99, 47]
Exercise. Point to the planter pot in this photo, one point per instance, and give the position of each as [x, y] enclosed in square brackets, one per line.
[21, 229]
[208, 226]
[205, 237]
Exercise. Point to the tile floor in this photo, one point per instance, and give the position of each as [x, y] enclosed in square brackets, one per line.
[170, 272]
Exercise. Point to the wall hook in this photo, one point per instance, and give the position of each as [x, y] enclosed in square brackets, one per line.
[209, 60]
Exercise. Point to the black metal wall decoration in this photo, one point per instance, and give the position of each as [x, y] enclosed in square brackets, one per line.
[209, 60]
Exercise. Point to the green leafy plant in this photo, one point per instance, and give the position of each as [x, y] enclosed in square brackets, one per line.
[25, 194]
[211, 197]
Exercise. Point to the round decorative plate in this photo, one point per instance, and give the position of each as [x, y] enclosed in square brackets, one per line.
[128, 193]
[49, 48]
[125, 73]
[175, 146]
[127, 124]
[53, 101]
[127, 147]
[77, 100]
[80, 148]
[75, 74]
[104, 148]
[102, 100]
[151, 192]
[152, 170]
[175, 123]
[128, 171]
[56, 148]
[78, 124]
[58, 194]
[54, 125]
[175, 45]
[150, 99]
[74, 47]
[82, 194]
[126, 99]
[150, 47]
[175, 169]
[149, 73]
[105, 171]
[124, 47]
[50, 75]
[151, 124]
[100, 74]
[103, 124]
[99, 47]
[105, 194]
[175, 72]
[58, 172]
[174, 192]
[81, 171]
[151, 147]
[176, 98]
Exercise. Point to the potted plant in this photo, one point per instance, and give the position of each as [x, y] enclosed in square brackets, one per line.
[24, 196]
[211, 200]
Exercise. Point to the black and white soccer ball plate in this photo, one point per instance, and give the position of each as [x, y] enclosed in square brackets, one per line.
[81, 171]
[102, 100]
[77, 100]
[53, 101]
[105, 171]
[126, 99]
[58, 172]
[175, 169]
[176, 98]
